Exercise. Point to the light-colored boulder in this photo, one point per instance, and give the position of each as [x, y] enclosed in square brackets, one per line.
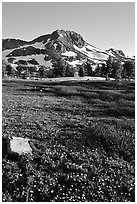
[18, 145]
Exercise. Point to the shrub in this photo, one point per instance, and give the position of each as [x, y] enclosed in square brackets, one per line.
[113, 139]
[66, 91]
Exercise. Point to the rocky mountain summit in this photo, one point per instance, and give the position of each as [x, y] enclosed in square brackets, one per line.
[66, 45]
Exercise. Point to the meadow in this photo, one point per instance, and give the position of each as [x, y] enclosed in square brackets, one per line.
[83, 140]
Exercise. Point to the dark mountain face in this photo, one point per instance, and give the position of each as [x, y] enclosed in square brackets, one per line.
[42, 38]
[76, 39]
[12, 43]
[30, 50]
[66, 45]
[66, 37]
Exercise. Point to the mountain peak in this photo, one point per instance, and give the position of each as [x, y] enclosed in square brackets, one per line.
[70, 36]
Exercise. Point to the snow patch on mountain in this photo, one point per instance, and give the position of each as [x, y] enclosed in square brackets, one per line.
[92, 55]
[110, 53]
[75, 63]
[69, 54]
[61, 35]
[48, 40]
[5, 53]
[38, 45]
[13, 65]
[55, 45]
[91, 48]
[48, 63]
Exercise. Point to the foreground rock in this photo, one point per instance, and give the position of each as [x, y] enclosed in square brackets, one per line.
[16, 146]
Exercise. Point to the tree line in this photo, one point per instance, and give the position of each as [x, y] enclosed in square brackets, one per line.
[113, 68]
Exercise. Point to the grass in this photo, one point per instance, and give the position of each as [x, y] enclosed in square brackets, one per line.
[83, 139]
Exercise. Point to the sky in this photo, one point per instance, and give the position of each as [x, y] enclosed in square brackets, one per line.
[102, 24]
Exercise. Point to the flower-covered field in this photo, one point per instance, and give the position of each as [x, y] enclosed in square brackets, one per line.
[83, 140]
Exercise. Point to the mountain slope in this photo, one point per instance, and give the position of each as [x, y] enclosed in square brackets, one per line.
[66, 45]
